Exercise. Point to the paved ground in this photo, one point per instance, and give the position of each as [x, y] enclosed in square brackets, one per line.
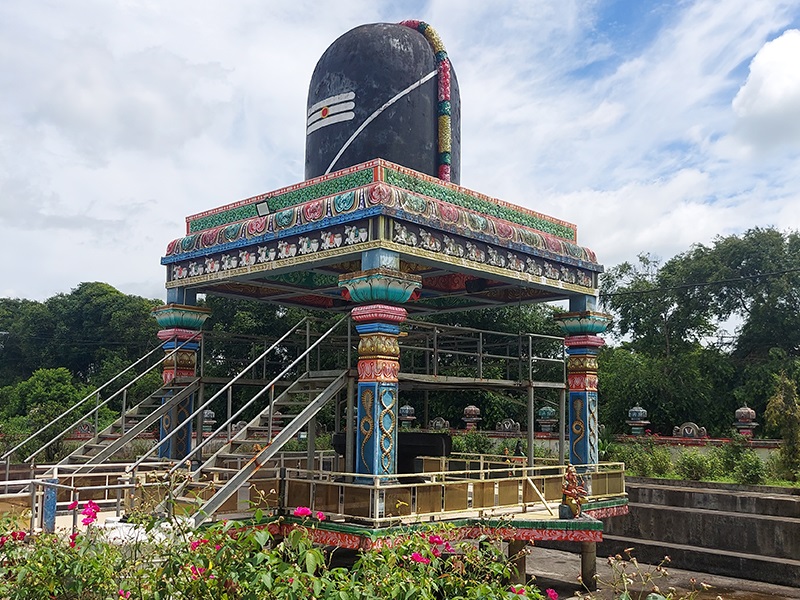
[559, 570]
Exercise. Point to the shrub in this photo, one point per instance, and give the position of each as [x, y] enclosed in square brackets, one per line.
[661, 460]
[695, 466]
[776, 468]
[235, 562]
[749, 469]
[643, 458]
[731, 452]
[472, 442]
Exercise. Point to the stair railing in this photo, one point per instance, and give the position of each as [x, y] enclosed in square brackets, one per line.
[261, 392]
[223, 390]
[98, 405]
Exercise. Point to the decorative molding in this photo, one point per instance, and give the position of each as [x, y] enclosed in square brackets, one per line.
[584, 323]
[379, 285]
[181, 316]
[378, 369]
[379, 312]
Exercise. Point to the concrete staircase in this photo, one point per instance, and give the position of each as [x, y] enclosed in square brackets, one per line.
[733, 530]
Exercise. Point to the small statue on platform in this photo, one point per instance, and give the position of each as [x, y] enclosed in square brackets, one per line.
[573, 495]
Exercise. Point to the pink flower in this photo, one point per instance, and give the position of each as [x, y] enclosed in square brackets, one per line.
[418, 558]
[90, 511]
[217, 547]
[435, 539]
[436, 552]
[551, 594]
[196, 571]
[73, 505]
[448, 548]
[196, 544]
[520, 591]
[124, 594]
[72, 539]
[3, 540]
[18, 535]
[321, 515]
[302, 511]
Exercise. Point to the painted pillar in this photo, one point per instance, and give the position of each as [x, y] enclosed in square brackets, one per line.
[179, 322]
[380, 287]
[583, 344]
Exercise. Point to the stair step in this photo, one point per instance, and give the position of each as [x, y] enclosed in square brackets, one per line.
[261, 441]
[225, 456]
[94, 446]
[739, 501]
[80, 458]
[780, 571]
[221, 470]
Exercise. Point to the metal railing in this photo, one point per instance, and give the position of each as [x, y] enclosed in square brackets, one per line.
[97, 405]
[109, 489]
[431, 348]
[390, 500]
[226, 425]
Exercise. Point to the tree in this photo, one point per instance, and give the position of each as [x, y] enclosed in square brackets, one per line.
[783, 412]
[80, 331]
[659, 318]
[94, 320]
[37, 401]
[754, 277]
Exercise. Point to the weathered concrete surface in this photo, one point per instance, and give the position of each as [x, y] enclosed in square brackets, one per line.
[723, 529]
[559, 570]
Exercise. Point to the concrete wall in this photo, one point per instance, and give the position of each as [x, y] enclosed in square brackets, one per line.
[739, 531]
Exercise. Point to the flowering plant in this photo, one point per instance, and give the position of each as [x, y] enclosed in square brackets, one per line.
[234, 561]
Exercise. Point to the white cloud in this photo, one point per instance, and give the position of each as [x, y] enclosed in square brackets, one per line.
[767, 106]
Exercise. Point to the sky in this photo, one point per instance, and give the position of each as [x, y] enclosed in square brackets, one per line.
[650, 125]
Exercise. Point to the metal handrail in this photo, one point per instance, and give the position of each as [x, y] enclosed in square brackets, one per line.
[219, 393]
[7, 455]
[378, 485]
[92, 394]
[107, 400]
[262, 391]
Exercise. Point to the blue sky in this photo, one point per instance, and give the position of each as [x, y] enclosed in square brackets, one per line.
[650, 125]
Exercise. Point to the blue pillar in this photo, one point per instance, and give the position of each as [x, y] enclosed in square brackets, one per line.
[378, 289]
[181, 324]
[583, 344]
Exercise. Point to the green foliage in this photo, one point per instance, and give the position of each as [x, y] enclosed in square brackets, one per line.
[777, 470]
[472, 442]
[729, 454]
[47, 567]
[783, 412]
[37, 401]
[749, 469]
[768, 304]
[695, 466]
[668, 315]
[235, 562]
[642, 457]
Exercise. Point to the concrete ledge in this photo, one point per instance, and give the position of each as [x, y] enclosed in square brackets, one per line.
[758, 535]
[779, 571]
[761, 502]
[733, 530]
